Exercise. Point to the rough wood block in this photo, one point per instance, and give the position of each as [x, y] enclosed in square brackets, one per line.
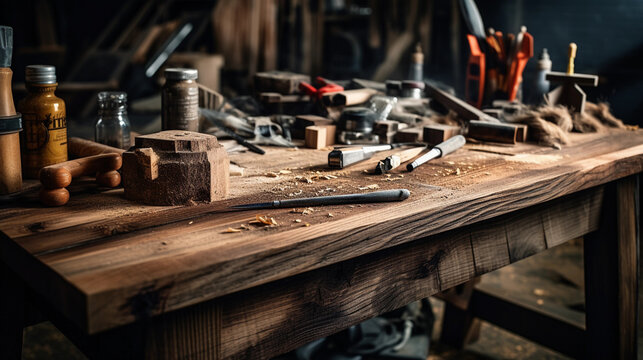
[303, 121]
[409, 135]
[319, 137]
[175, 167]
[437, 133]
[283, 82]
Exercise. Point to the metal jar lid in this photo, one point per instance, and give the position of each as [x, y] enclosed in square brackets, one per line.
[181, 74]
[40, 74]
[112, 97]
[10, 124]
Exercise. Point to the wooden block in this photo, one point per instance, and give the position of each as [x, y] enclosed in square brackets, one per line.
[282, 82]
[319, 137]
[409, 135]
[386, 126]
[437, 133]
[304, 121]
[175, 167]
[496, 132]
[521, 134]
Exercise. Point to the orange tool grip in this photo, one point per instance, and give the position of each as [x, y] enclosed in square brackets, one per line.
[474, 87]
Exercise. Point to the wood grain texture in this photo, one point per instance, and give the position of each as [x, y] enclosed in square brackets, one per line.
[611, 275]
[115, 257]
[273, 318]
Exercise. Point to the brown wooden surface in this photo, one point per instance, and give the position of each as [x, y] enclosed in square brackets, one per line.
[103, 261]
[273, 318]
[611, 275]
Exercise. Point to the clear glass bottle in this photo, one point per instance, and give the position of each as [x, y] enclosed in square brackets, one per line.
[112, 125]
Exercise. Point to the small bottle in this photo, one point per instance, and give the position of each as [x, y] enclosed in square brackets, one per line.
[112, 126]
[416, 72]
[541, 84]
[44, 138]
[180, 100]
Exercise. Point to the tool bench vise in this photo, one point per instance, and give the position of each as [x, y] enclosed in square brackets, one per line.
[175, 167]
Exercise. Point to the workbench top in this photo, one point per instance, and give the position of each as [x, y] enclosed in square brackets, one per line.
[104, 261]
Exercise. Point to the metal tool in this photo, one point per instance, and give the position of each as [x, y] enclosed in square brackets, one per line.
[395, 160]
[219, 120]
[439, 150]
[372, 197]
[340, 158]
[326, 87]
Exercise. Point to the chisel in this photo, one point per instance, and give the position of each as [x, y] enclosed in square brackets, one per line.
[341, 158]
[439, 150]
[395, 160]
[372, 197]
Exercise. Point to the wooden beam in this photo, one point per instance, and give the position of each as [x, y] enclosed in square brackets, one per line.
[611, 275]
[277, 317]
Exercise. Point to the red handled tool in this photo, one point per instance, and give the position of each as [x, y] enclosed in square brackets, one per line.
[524, 52]
[474, 88]
[325, 88]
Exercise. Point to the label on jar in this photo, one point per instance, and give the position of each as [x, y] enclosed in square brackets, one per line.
[44, 141]
[180, 108]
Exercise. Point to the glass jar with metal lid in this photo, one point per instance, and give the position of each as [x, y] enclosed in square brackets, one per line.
[180, 100]
[112, 126]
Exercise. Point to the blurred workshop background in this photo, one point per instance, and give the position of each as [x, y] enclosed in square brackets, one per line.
[125, 44]
[98, 45]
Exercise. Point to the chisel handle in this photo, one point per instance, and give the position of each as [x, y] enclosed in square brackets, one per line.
[451, 145]
[372, 197]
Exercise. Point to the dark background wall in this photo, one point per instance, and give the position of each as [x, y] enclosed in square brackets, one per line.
[609, 35]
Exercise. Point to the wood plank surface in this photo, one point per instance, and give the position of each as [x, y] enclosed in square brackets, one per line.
[611, 275]
[273, 318]
[123, 261]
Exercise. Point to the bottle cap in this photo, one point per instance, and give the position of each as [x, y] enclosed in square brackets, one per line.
[40, 74]
[111, 99]
[6, 46]
[181, 74]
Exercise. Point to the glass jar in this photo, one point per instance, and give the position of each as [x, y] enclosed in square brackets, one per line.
[180, 100]
[112, 126]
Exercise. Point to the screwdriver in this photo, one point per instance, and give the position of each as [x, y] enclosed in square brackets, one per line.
[439, 150]
[372, 197]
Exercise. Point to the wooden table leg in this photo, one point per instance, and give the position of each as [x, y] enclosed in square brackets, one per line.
[11, 314]
[611, 275]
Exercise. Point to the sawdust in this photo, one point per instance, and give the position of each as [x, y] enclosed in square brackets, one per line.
[535, 158]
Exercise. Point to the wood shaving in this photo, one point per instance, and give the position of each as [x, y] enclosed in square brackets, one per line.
[266, 220]
[191, 222]
[271, 174]
[457, 171]
[297, 220]
[330, 215]
[306, 225]
[296, 193]
[231, 230]
[370, 187]
[283, 172]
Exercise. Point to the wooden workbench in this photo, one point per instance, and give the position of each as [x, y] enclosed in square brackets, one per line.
[122, 279]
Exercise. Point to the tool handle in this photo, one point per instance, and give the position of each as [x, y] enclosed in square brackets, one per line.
[82, 148]
[60, 175]
[372, 197]
[451, 145]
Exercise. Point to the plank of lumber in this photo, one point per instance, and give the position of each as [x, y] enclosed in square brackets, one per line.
[114, 243]
[277, 317]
